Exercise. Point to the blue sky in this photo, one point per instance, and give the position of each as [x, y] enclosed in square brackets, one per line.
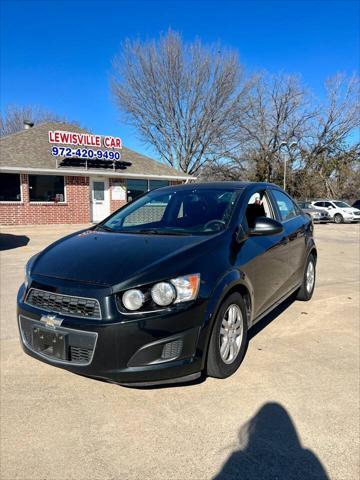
[57, 54]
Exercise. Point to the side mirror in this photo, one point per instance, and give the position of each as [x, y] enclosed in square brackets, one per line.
[266, 226]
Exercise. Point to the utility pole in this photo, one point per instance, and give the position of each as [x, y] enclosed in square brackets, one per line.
[288, 146]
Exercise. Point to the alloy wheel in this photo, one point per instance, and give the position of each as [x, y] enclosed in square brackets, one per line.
[310, 277]
[338, 218]
[231, 334]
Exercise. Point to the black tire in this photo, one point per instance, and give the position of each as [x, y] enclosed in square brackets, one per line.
[338, 218]
[304, 293]
[216, 366]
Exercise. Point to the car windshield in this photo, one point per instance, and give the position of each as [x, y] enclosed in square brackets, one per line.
[305, 205]
[200, 211]
[341, 204]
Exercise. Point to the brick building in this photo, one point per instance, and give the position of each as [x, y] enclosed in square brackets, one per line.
[37, 187]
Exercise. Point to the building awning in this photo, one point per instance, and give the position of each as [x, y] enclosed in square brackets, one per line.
[91, 172]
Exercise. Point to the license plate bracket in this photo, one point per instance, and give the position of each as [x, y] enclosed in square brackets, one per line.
[50, 343]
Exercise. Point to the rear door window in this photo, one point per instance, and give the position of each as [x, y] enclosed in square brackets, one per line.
[286, 206]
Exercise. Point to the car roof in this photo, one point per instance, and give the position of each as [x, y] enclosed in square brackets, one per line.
[231, 185]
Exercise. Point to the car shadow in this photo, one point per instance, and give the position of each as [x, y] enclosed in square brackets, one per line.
[8, 241]
[271, 316]
[270, 449]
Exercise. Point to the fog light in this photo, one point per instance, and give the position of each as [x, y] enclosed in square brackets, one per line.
[172, 349]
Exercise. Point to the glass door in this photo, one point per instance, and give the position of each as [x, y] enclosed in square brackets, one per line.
[99, 199]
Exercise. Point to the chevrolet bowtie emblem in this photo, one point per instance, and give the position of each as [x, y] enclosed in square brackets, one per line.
[51, 321]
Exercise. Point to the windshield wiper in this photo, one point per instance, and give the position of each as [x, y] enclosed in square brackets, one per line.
[174, 232]
[147, 231]
[155, 231]
[105, 228]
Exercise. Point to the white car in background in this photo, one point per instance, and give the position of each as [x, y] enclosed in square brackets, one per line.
[339, 211]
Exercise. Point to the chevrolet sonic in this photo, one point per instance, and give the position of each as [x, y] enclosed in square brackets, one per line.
[168, 286]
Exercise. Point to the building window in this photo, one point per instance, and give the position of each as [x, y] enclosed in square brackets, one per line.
[10, 187]
[135, 188]
[153, 184]
[46, 188]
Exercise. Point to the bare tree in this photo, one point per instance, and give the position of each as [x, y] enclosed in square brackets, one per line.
[326, 159]
[277, 114]
[223, 170]
[201, 114]
[182, 98]
[12, 120]
[328, 154]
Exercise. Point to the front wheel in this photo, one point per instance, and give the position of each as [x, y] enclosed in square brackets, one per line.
[307, 287]
[228, 340]
[338, 218]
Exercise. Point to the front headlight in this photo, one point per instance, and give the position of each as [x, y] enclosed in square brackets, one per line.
[162, 294]
[187, 287]
[133, 299]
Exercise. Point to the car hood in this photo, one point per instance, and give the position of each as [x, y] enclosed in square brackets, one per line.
[106, 258]
[350, 209]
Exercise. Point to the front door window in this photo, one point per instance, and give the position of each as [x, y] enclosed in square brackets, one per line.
[258, 206]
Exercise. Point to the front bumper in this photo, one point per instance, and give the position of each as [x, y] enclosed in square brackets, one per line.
[147, 349]
[321, 219]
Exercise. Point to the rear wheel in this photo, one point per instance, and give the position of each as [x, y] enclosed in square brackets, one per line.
[228, 340]
[307, 288]
[338, 218]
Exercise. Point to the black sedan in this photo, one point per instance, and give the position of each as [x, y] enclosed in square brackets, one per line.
[168, 286]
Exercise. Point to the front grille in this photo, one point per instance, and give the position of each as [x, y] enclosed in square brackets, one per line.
[80, 355]
[64, 304]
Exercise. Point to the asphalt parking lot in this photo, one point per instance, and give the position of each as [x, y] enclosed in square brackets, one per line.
[290, 412]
